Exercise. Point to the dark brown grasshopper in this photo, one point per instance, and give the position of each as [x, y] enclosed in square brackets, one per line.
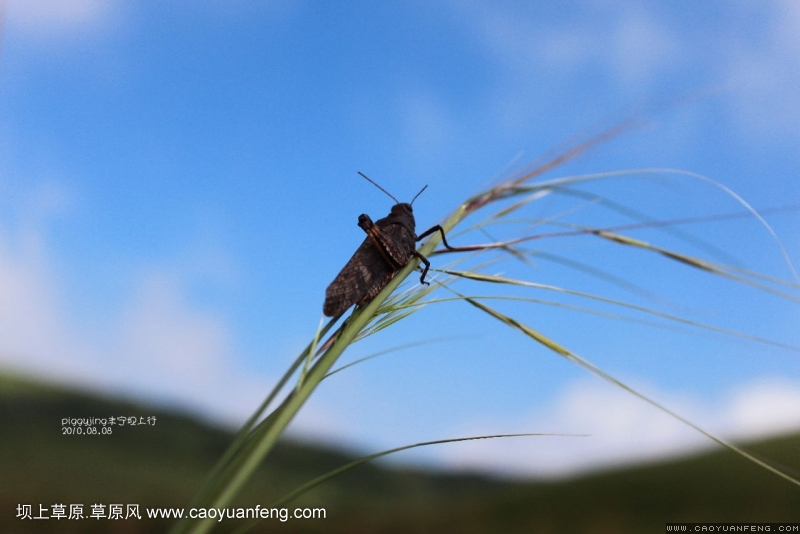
[390, 244]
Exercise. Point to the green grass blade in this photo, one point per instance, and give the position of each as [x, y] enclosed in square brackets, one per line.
[214, 477]
[242, 468]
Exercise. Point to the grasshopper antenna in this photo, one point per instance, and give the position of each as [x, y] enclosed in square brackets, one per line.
[379, 187]
[418, 194]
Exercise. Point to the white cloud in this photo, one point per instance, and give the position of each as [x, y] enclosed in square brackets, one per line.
[28, 311]
[180, 347]
[45, 19]
[31, 316]
[621, 429]
[157, 345]
[170, 350]
[324, 422]
[763, 408]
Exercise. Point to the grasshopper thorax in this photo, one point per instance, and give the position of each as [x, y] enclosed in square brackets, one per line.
[402, 213]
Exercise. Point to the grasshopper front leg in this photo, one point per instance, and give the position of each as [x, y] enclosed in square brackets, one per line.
[424, 260]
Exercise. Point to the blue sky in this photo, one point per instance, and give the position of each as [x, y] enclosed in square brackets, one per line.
[178, 187]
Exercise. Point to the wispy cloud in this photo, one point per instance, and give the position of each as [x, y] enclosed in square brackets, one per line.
[639, 50]
[426, 127]
[764, 75]
[630, 43]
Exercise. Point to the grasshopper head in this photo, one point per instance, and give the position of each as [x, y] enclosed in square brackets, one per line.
[402, 208]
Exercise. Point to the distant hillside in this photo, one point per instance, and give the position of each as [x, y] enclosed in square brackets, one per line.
[162, 465]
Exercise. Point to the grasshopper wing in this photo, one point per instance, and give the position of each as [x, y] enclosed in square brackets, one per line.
[364, 271]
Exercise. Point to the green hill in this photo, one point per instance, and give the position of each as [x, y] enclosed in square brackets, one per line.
[161, 465]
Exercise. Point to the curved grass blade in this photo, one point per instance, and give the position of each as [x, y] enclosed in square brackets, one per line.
[693, 262]
[680, 172]
[388, 351]
[515, 187]
[330, 474]
[600, 274]
[645, 221]
[585, 364]
[502, 280]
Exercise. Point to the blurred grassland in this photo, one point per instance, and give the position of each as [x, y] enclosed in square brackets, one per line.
[162, 466]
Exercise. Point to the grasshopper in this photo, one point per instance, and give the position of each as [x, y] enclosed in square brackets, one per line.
[389, 246]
